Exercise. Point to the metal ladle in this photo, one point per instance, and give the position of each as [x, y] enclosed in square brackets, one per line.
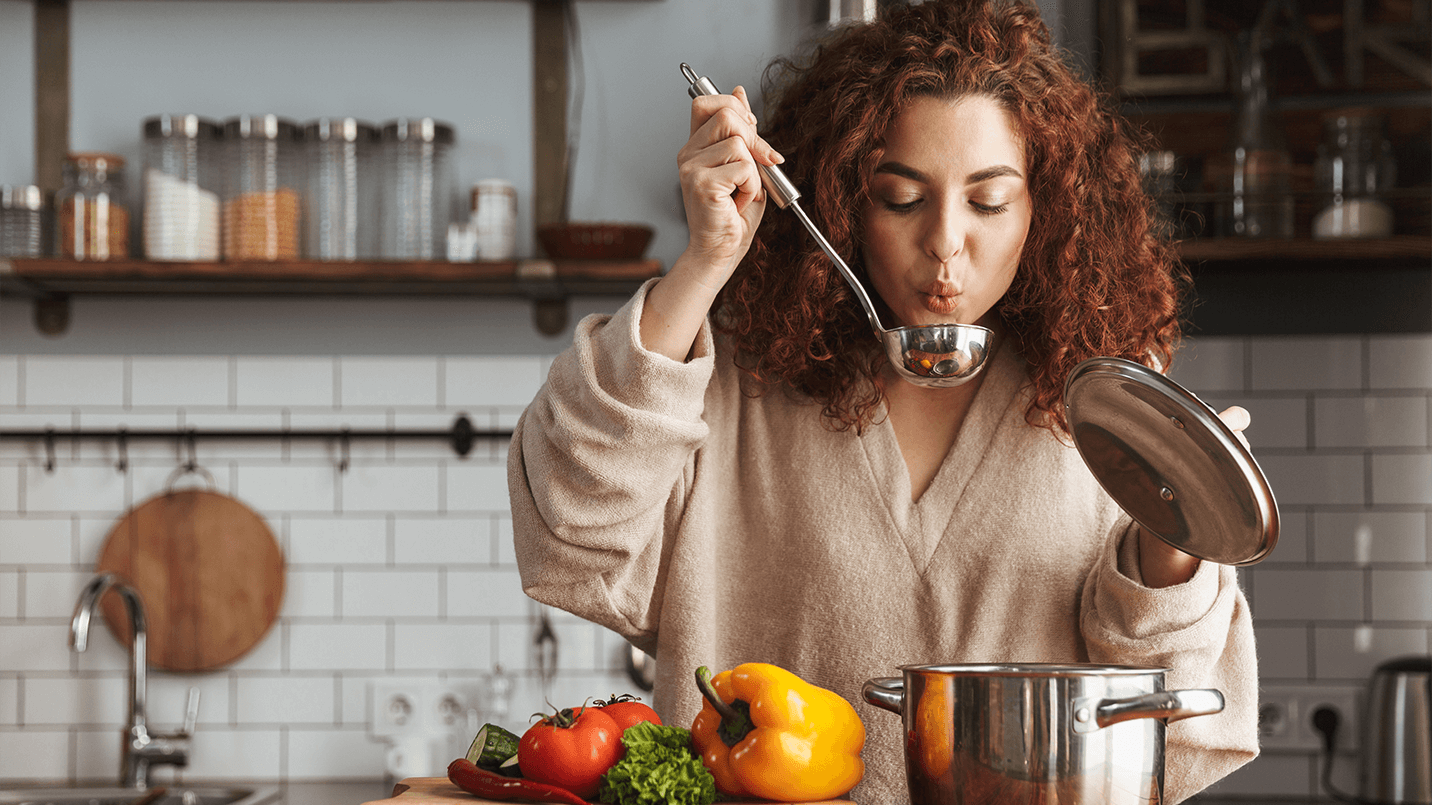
[932, 355]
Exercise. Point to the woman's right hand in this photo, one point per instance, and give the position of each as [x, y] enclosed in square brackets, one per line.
[721, 188]
[721, 184]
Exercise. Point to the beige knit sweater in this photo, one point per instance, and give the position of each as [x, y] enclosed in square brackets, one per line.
[712, 527]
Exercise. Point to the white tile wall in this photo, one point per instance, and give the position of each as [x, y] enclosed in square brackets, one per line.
[386, 382]
[36, 540]
[9, 381]
[173, 381]
[54, 380]
[1350, 584]
[402, 568]
[1401, 362]
[1372, 421]
[284, 382]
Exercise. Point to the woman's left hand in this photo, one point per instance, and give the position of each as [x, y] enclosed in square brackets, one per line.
[1237, 419]
[1163, 565]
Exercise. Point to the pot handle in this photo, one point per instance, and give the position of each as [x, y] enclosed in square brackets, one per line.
[886, 692]
[1170, 705]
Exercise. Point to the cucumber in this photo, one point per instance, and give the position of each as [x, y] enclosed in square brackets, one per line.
[492, 747]
[509, 768]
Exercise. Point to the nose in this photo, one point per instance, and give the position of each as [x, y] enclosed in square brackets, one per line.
[946, 236]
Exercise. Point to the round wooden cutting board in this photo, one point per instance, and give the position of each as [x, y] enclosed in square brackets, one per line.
[209, 570]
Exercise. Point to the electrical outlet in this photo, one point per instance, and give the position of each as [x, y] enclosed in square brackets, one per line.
[448, 711]
[1285, 716]
[395, 709]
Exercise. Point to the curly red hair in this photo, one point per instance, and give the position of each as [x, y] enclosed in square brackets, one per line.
[1093, 279]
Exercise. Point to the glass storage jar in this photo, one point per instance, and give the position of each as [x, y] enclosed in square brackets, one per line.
[181, 188]
[1255, 189]
[340, 216]
[22, 216]
[91, 214]
[494, 219]
[1354, 165]
[262, 188]
[418, 188]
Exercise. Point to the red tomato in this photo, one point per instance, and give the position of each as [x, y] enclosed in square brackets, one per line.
[571, 749]
[627, 711]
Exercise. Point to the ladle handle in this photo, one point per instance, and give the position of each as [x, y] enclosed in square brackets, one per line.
[785, 194]
[776, 182]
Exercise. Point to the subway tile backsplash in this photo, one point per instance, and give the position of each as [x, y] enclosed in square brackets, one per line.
[400, 569]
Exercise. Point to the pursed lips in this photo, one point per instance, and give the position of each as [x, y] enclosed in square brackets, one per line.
[940, 297]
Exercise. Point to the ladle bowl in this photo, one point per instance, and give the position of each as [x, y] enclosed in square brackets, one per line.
[937, 355]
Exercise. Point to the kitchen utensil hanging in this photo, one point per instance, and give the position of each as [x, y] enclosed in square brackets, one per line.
[640, 668]
[208, 568]
[544, 646]
[935, 355]
[1169, 462]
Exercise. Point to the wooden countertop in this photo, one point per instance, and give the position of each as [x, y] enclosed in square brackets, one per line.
[427, 790]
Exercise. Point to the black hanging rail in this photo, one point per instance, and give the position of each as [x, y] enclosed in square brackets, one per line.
[460, 437]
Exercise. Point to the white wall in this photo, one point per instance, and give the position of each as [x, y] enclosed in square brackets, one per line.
[469, 63]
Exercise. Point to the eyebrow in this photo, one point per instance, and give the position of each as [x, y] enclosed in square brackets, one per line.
[983, 174]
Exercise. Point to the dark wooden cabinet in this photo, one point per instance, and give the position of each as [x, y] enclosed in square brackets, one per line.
[1170, 64]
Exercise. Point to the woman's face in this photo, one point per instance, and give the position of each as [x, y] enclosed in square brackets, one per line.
[949, 212]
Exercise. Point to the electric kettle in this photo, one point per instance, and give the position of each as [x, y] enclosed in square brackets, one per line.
[1397, 734]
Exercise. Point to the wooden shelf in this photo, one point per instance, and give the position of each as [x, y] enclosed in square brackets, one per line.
[546, 283]
[1309, 287]
[1351, 250]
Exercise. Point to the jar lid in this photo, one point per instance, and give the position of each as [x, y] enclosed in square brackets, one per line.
[21, 197]
[1169, 462]
[421, 129]
[346, 129]
[494, 186]
[96, 160]
[261, 127]
[189, 126]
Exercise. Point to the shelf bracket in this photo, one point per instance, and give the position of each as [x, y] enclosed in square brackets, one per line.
[549, 315]
[52, 314]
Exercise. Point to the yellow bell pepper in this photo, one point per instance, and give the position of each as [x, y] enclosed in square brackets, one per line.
[765, 732]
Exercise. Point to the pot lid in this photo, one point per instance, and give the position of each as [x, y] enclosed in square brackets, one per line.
[1169, 462]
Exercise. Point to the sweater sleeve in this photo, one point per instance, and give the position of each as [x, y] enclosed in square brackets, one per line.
[1202, 632]
[598, 467]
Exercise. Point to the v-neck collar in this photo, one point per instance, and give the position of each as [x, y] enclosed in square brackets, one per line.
[922, 523]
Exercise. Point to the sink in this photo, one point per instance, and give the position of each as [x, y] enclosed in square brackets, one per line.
[115, 795]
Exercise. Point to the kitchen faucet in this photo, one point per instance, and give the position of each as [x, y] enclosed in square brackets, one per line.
[140, 749]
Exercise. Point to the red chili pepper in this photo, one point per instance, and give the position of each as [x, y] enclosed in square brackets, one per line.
[466, 775]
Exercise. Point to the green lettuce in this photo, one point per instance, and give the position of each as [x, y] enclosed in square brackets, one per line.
[659, 767]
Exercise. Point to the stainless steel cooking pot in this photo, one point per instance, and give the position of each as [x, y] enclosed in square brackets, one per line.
[1035, 733]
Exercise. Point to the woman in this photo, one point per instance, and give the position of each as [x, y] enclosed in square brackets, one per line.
[727, 469]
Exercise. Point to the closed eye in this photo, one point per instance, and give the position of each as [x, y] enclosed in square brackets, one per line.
[989, 209]
[902, 206]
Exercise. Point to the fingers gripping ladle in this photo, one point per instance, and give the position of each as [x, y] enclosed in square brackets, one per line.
[932, 355]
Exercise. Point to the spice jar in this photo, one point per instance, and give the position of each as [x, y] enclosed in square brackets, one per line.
[494, 219]
[21, 221]
[418, 188]
[92, 220]
[181, 188]
[340, 217]
[261, 190]
[1354, 164]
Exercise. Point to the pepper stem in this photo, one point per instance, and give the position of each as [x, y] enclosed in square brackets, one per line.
[736, 721]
